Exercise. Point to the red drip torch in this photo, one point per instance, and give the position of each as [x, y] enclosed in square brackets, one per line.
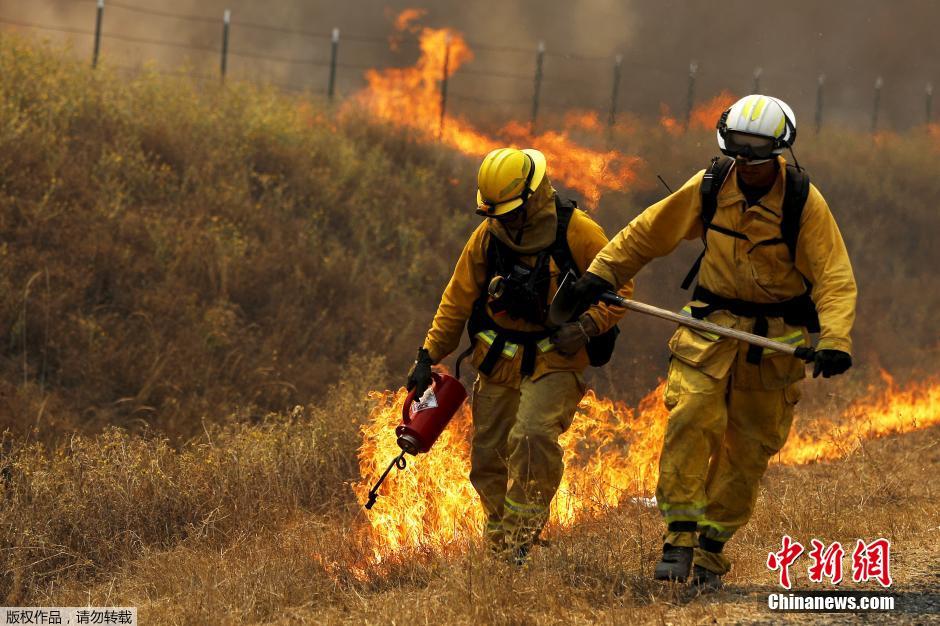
[422, 422]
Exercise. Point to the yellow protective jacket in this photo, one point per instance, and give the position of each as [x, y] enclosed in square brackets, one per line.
[585, 239]
[735, 268]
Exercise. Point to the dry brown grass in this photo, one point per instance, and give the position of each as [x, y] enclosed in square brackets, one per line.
[171, 254]
[255, 550]
[180, 267]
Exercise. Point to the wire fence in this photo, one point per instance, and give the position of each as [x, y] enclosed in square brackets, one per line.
[216, 38]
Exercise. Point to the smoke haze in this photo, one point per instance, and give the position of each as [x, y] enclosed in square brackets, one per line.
[851, 42]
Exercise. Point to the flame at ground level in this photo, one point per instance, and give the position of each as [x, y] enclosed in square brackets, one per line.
[888, 409]
[611, 454]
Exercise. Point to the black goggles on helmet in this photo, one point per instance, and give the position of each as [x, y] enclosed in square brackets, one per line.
[748, 146]
[751, 147]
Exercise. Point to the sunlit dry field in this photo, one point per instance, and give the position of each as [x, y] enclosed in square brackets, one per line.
[211, 295]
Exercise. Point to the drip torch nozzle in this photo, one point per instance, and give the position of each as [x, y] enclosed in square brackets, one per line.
[399, 462]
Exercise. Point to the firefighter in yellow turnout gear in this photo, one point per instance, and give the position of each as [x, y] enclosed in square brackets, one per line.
[768, 236]
[529, 379]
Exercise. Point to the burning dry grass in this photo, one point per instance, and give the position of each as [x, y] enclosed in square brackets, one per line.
[611, 459]
[611, 452]
[410, 97]
[264, 538]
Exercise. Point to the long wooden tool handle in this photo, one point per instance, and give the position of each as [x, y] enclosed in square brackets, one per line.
[801, 352]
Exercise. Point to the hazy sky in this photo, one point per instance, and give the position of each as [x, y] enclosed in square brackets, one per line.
[851, 41]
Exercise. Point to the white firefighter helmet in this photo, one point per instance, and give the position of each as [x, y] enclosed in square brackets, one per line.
[756, 127]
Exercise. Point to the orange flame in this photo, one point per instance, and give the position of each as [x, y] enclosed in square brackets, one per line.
[704, 115]
[670, 124]
[890, 410]
[611, 455]
[405, 20]
[611, 452]
[583, 120]
[410, 97]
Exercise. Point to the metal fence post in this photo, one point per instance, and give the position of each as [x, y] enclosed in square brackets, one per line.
[226, 21]
[929, 97]
[440, 126]
[757, 72]
[99, 16]
[690, 95]
[614, 94]
[819, 101]
[537, 87]
[334, 51]
[876, 104]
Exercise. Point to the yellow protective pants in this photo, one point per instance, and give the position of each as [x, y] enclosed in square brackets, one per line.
[515, 459]
[727, 419]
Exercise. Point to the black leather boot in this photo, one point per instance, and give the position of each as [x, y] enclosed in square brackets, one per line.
[675, 564]
[705, 580]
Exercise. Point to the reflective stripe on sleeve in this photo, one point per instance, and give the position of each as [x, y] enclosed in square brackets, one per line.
[793, 339]
[546, 345]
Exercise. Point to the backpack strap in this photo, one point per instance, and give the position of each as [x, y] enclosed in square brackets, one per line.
[794, 200]
[712, 182]
[500, 257]
[561, 251]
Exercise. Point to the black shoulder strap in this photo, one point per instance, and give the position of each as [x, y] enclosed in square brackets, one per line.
[561, 251]
[492, 258]
[711, 184]
[499, 258]
[794, 199]
[714, 178]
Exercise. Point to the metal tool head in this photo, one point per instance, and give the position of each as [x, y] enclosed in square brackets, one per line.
[564, 305]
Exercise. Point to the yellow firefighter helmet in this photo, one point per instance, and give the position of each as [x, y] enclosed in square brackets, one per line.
[507, 178]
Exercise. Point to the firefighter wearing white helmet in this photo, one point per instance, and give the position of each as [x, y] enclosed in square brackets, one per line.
[529, 379]
[755, 128]
[769, 235]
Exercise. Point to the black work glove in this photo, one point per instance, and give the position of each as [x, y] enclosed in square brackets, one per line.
[831, 363]
[573, 336]
[588, 289]
[570, 338]
[419, 377]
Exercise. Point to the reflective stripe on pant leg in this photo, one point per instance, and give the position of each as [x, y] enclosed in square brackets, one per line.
[681, 512]
[524, 510]
[546, 408]
[494, 412]
[715, 531]
[522, 522]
